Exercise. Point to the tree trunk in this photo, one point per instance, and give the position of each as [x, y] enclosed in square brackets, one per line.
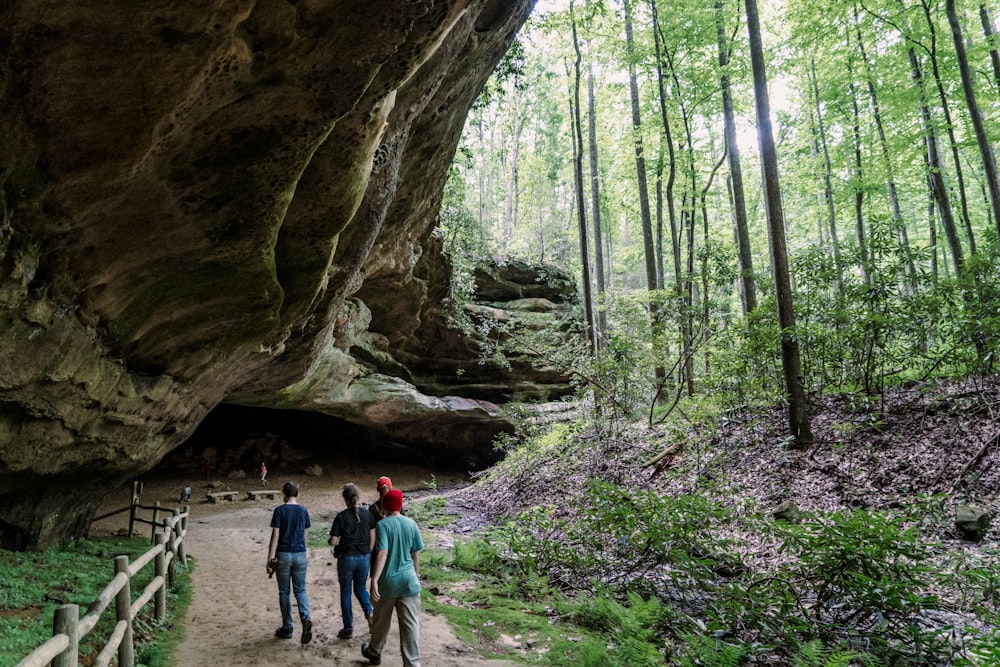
[838, 262]
[671, 158]
[640, 168]
[950, 127]
[748, 284]
[581, 207]
[985, 150]
[897, 215]
[798, 412]
[988, 32]
[859, 191]
[595, 211]
[936, 175]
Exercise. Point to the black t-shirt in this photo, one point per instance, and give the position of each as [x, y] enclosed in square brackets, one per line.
[353, 531]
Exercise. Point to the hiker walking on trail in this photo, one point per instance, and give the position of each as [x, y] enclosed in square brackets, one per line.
[263, 473]
[287, 557]
[382, 485]
[352, 537]
[395, 583]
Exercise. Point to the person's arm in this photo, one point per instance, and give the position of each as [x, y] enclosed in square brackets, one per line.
[371, 540]
[377, 568]
[415, 555]
[334, 540]
[272, 547]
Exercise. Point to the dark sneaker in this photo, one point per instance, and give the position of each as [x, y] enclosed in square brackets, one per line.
[372, 658]
[307, 632]
[283, 633]
[346, 633]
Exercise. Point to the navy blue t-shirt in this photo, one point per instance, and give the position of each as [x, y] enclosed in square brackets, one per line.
[291, 520]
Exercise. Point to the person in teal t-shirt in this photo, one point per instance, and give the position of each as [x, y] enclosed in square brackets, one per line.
[395, 582]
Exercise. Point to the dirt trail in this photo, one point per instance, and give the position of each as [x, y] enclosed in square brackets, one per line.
[234, 611]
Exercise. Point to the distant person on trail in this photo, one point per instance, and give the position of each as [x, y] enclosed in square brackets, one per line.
[382, 485]
[186, 494]
[287, 557]
[352, 537]
[207, 469]
[263, 473]
[395, 583]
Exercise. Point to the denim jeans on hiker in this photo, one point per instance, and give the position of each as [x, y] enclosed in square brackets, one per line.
[352, 571]
[291, 573]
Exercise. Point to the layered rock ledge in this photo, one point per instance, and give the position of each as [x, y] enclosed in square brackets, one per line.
[218, 202]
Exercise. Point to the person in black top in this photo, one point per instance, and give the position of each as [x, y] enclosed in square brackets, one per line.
[352, 537]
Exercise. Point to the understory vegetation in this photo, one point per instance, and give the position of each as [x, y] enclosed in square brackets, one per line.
[34, 584]
[589, 557]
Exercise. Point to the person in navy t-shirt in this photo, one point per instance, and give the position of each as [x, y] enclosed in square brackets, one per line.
[287, 557]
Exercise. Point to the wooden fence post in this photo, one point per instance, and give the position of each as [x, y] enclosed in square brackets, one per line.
[160, 563]
[156, 517]
[65, 621]
[123, 610]
[132, 509]
[178, 532]
[171, 566]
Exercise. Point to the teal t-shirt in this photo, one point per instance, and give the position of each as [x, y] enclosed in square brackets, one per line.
[399, 537]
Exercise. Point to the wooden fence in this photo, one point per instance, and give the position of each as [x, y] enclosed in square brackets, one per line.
[63, 649]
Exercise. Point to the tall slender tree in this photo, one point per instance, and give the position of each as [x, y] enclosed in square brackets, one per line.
[985, 150]
[800, 428]
[748, 284]
[935, 171]
[595, 209]
[949, 125]
[831, 208]
[858, 176]
[902, 232]
[988, 33]
[641, 181]
[668, 142]
[581, 215]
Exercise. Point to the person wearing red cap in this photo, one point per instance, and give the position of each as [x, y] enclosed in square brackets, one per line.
[395, 582]
[382, 485]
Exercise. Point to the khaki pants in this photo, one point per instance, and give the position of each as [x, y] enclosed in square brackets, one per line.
[408, 615]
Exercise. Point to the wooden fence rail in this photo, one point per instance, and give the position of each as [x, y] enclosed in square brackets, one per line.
[63, 648]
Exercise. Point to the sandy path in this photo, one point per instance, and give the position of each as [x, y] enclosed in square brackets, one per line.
[234, 611]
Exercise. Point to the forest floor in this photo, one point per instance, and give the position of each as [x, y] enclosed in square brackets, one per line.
[931, 438]
[935, 438]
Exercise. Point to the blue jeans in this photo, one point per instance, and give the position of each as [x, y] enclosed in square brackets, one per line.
[352, 571]
[291, 574]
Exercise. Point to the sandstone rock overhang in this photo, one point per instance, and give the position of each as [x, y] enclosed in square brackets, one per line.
[197, 203]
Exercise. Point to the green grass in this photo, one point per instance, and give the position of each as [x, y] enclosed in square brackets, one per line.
[431, 513]
[34, 582]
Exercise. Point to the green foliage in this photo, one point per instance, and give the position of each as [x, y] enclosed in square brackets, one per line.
[616, 538]
[984, 648]
[631, 630]
[431, 512]
[859, 577]
[78, 572]
[815, 654]
[702, 651]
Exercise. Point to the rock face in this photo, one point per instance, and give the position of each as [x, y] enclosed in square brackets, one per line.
[207, 202]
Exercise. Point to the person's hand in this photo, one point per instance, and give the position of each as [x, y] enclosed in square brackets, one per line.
[374, 591]
[271, 566]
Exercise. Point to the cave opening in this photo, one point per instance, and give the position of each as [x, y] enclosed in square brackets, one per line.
[236, 437]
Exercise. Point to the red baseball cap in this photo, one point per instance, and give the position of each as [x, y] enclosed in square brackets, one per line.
[383, 481]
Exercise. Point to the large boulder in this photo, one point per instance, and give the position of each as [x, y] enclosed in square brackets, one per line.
[217, 202]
